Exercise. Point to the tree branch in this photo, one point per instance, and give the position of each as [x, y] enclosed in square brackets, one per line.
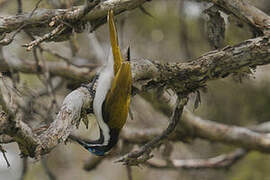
[218, 162]
[194, 126]
[66, 121]
[182, 77]
[42, 19]
[134, 135]
[33, 144]
[246, 12]
[62, 69]
[189, 77]
[143, 154]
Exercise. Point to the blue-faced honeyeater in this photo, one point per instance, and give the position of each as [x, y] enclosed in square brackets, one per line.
[112, 97]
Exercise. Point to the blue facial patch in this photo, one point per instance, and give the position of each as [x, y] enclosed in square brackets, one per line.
[96, 151]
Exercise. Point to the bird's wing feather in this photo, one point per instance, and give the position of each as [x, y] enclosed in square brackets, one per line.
[118, 98]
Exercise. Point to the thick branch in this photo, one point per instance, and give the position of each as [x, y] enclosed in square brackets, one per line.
[66, 120]
[185, 76]
[33, 144]
[188, 77]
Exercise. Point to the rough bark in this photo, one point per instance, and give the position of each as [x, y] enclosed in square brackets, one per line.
[42, 20]
[184, 78]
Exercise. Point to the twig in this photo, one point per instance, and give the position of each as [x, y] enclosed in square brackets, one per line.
[56, 84]
[4, 155]
[61, 27]
[135, 157]
[218, 162]
[67, 60]
[44, 16]
[47, 36]
[129, 172]
[36, 7]
[5, 139]
[145, 11]
[8, 40]
[89, 5]
[19, 3]
[24, 168]
[77, 14]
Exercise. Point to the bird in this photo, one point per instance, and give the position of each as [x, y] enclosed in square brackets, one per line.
[112, 97]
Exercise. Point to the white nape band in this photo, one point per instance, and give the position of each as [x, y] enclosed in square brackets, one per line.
[103, 86]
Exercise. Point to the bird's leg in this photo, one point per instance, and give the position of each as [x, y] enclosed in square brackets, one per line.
[91, 87]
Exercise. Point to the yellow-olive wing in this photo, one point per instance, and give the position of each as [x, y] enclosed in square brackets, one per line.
[118, 98]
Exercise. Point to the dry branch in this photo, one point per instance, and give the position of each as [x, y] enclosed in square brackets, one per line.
[181, 77]
[139, 136]
[41, 20]
[246, 12]
[33, 144]
[197, 127]
[66, 120]
[143, 154]
[188, 77]
[62, 69]
[218, 162]
[184, 77]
